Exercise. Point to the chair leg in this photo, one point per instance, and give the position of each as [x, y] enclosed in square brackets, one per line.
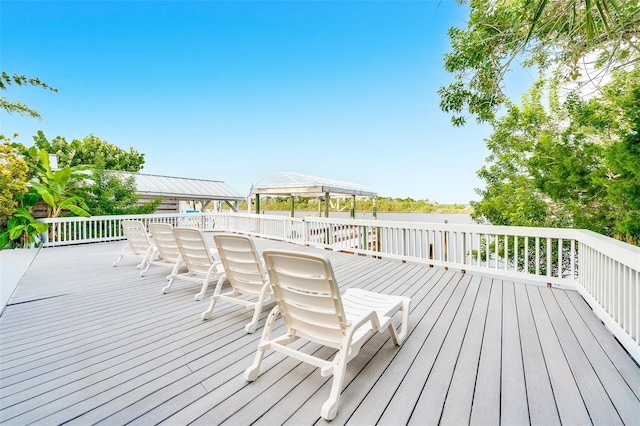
[251, 327]
[176, 268]
[398, 337]
[167, 289]
[148, 262]
[205, 285]
[330, 407]
[146, 258]
[404, 327]
[207, 278]
[124, 249]
[252, 373]
[216, 295]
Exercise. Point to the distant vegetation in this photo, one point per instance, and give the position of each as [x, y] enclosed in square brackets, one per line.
[384, 205]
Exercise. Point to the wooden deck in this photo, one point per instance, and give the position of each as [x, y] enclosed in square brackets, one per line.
[85, 343]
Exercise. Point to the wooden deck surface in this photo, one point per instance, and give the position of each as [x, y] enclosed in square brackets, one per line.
[83, 342]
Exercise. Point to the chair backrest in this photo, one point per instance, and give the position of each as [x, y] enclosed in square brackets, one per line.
[137, 236]
[307, 295]
[194, 251]
[241, 262]
[165, 241]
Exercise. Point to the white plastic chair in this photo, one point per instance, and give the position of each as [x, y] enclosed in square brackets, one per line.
[201, 266]
[138, 243]
[245, 272]
[165, 250]
[309, 301]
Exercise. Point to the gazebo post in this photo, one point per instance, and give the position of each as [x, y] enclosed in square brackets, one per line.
[353, 207]
[326, 204]
[292, 211]
[375, 207]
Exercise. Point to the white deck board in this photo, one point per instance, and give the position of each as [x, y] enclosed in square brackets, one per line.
[83, 343]
[514, 404]
[539, 393]
[486, 401]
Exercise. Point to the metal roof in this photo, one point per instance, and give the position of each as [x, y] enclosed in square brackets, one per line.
[185, 188]
[289, 183]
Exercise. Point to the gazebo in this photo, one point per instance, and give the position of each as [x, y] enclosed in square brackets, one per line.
[295, 184]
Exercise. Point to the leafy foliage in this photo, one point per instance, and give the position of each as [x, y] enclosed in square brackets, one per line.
[22, 230]
[623, 157]
[20, 80]
[110, 193]
[550, 35]
[13, 179]
[91, 150]
[576, 165]
[56, 187]
[104, 191]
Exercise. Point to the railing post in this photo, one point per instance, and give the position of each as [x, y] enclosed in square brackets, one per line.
[305, 232]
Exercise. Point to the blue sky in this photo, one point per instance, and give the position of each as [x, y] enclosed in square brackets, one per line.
[238, 90]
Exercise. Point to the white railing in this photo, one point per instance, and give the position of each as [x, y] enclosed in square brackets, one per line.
[606, 272]
[79, 230]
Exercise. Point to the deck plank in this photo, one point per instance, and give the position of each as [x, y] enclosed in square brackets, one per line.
[626, 403]
[514, 409]
[599, 405]
[620, 359]
[459, 397]
[84, 342]
[486, 400]
[426, 313]
[568, 401]
[539, 393]
[428, 408]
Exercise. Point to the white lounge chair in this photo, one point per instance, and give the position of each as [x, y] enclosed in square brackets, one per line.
[165, 248]
[245, 272]
[138, 242]
[309, 301]
[201, 266]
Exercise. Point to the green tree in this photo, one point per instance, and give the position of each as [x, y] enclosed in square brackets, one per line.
[20, 80]
[56, 187]
[510, 197]
[105, 191]
[13, 179]
[556, 36]
[112, 193]
[575, 165]
[623, 157]
[91, 150]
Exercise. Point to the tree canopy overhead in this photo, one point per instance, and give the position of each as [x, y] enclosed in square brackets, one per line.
[565, 37]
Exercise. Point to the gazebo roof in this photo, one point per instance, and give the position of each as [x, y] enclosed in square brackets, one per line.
[289, 183]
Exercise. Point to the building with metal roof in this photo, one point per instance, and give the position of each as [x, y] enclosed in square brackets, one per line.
[296, 184]
[179, 189]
